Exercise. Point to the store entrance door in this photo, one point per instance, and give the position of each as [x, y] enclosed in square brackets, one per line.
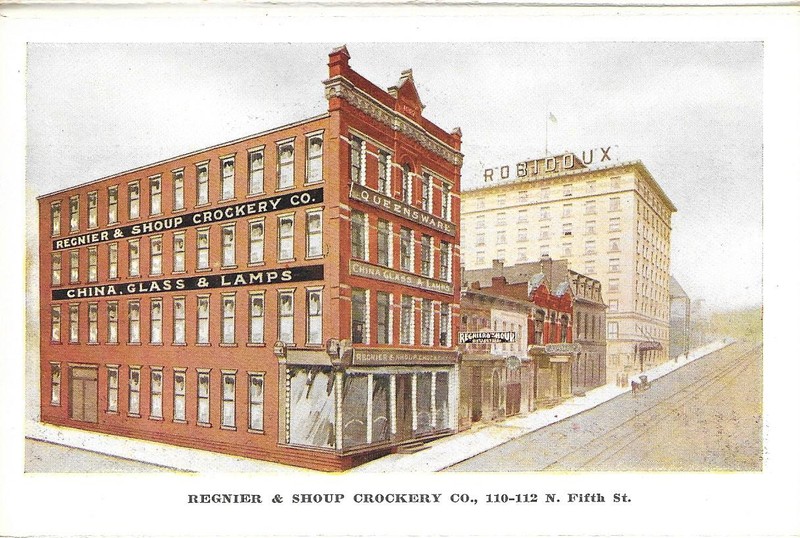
[405, 421]
[83, 394]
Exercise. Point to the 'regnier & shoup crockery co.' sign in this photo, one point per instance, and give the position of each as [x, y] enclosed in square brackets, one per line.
[208, 216]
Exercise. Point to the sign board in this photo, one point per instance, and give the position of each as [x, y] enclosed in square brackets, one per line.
[555, 164]
[650, 346]
[487, 337]
[563, 348]
[401, 209]
[400, 357]
[384, 274]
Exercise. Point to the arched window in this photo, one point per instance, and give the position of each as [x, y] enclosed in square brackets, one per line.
[538, 327]
[408, 184]
[564, 325]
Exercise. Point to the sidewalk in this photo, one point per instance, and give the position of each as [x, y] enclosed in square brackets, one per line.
[441, 454]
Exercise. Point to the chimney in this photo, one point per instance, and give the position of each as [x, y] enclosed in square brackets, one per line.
[338, 61]
[497, 265]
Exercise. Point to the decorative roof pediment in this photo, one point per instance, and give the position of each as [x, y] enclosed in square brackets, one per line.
[408, 101]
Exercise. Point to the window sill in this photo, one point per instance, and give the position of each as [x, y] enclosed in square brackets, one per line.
[315, 345]
[204, 204]
[204, 424]
[134, 344]
[156, 274]
[156, 343]
[228, 345]
[319, 182]
[157, 419]
[92, 343]
[259, 432]
[287, 188]
[255, 344]
[74, 343]
[229, 267]
[55, 343]
[255, 194]
[203, 344]
[203, 270]
[112, 343]
[179, 210]
[176, 421]
[255, 264]
[317, 257]
[181, 344]
[229, 428]
[112, 412]
[134, 415]
[287, 260]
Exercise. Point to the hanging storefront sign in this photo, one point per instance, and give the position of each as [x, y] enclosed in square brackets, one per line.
[563, 348]
[487, 337]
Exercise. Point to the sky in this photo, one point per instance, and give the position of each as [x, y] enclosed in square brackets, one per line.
[691, 112]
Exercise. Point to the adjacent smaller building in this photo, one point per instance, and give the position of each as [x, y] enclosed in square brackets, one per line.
[680, 308]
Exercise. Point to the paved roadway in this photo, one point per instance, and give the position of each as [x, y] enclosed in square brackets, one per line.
[42, 457]
[705, 416]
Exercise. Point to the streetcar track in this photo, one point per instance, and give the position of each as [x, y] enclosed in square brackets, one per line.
[645, 423]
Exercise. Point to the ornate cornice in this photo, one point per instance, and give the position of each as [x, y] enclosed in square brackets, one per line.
[343, 88]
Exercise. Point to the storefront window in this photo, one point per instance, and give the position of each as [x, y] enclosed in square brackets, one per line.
[354, 410]
[442, 400]
[424, 418]
[312, 407]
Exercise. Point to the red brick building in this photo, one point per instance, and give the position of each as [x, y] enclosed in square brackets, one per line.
[287, 296]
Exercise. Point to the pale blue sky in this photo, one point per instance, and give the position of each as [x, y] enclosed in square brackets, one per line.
[692, 112]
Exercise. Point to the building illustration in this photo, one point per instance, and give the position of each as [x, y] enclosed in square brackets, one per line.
[289, 296]
[610, 221]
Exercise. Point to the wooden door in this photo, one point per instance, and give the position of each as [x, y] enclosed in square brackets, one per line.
[83, 394]
[405, 420]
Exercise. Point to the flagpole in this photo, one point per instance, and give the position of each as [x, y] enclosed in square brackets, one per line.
[546, 121]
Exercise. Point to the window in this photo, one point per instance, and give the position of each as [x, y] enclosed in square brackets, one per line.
[156, 390]
[202, 183]
[155, 195]
[227, 180]
[286, 237]
[426, 323]
[613, 330]
[408, 184]
[286, 316]
[523, 196]
[406, 250]
[426, 255]
[567, 190]
[55, 218]
[446, 205]
[427, 188]
[203, 398]
[613, 284]
[133, 257]
[134, 382]
[314, 233]
[113, 257]
[256, 314]
[384, 318]
[202, 248]
[156, 317]
[480, 239]
[229, 400]
[564, 325]
[445, 326]
[314, 159]
[613, 265]
[73, 323]
[285, 165]
[566, 229]
[255, 172]
[55, 323]
[74, 260]
[613, 244]
[202, 319]
[522, 216]
[522, 235]
[501, 219]
[480, 257]
[544, 250]
[256, 242]
[133, 200]
[590, 207]
[591, 227]
[384, 242]
[177, 190]
[407, 320]
[546, 193]
[567, 249]
[544, 213]
[501, 237]
[613, 305]
[614, 224]
[179, 252]
[589, 267]
[358, 235]
[360, 329]
[74, 205]
[92, 264]
[113, 322]
[384, 173]
[255, 419]
[228, 319]
[92, 323]
[613, 204]
[522, 254]
[501, 200]
[229, 245]
[55, 268]
[156, 252]
[133, 322]
[445, 254]
[112, 374]
[179, 320]
[544, 232]
[113, 201]
[92, 209]
[179, 396]
[314, 316]
[567, 211]
[358, 157]
[590, 247]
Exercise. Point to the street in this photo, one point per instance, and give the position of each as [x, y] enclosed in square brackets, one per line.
[705, 416]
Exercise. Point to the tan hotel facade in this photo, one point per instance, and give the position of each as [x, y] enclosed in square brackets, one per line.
[610, 221]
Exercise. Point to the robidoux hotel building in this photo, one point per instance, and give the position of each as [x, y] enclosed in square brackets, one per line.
[289, 296]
